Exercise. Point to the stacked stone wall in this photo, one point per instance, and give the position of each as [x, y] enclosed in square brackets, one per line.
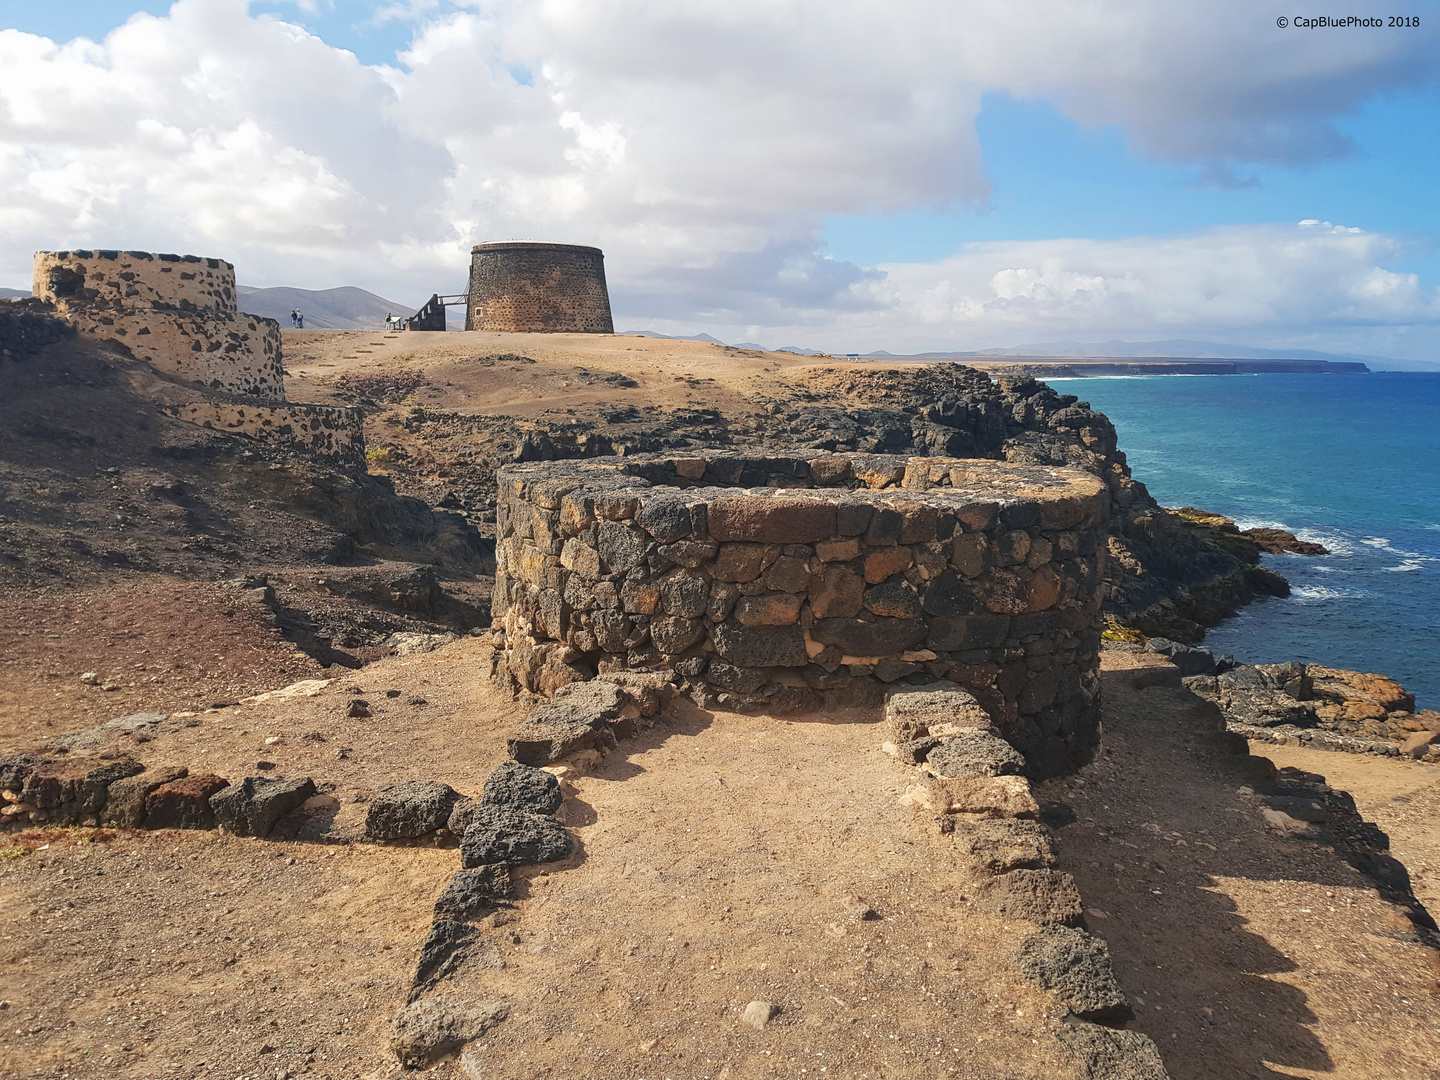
[327, 431]
[806, 582]
[538, 288]
[177, 313]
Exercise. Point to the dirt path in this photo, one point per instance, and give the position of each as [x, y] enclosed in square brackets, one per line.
[716, 853]
[717, 857]
[1248, 953]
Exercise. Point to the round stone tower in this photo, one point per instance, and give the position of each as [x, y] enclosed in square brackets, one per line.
[538, 288]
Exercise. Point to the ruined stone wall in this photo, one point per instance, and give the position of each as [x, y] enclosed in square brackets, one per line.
[805, 582]
[177, 313]
[327, 431]
[538, 288]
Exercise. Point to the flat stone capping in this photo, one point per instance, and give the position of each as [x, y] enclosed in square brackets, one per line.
[807, 582]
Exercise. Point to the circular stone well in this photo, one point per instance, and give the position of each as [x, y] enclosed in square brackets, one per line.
[811, 582]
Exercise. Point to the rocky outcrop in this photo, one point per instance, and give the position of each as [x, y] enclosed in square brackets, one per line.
[1165, 575]
[1323, 707]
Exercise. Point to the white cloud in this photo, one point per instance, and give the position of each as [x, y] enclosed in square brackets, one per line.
[700, 145]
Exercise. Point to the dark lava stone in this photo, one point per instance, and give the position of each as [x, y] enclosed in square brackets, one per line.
[411, 809]
[513, 837]
[513, 786]
[473, 893]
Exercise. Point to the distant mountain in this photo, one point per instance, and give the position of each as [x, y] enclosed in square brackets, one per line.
[346, 308]
[674, 337]
[10, 294]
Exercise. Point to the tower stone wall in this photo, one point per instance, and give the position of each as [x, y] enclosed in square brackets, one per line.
[175, 312]
[178, 314]
[538, 288]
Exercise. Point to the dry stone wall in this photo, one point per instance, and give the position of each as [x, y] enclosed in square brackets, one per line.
[538, 288]
[795, 583]
[326, 431]
[175, 312]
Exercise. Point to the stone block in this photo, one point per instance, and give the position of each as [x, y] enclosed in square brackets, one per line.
[1105, 1053]
[621, 547]
[837, 592]
[770, 520]
[912, 712]
[1011, 548]
[1043, 589]
[253, 806]
[828, 471]
[684, 593]
[522, 786]
[184, 803]
[840, 549]
[73, 789]
[880, 564]
[948, 596]
[740, 562]
[666, 519]
[474, 893]
[513, 838]
[540, 744]
[918, 523]
[787, 574]
[884, 528]
[1044, 897]
[768, 609]
[985, 796]
[433, 1028]
[881, 637]
[1074, 965]
[1004, 592]
[580, 558]
[893, 599]
[974, 753]
[970, 554]
[852, 518]
[125, 806]
[690, 553]
[673, 636]
[997, 847]
[738, 680]
[640, 597]
[410, 809]
[760, 646]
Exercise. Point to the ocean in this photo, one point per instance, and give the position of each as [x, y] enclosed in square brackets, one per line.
[1348, 461]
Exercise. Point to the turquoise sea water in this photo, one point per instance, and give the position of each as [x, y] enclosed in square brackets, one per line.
[1348, 461]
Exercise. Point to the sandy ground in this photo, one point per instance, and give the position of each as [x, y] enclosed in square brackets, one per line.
[715, 851]
[1247, 953]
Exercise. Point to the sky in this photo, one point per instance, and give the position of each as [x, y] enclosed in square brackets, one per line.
[847, 175]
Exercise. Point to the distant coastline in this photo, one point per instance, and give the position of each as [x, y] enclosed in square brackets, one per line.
[1052, 367]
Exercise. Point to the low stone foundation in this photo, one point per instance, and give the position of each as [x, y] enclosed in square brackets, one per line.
[327, 431]
[799, 583]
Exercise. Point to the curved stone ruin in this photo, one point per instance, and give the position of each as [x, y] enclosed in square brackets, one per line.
[787, 584]
[178, 314]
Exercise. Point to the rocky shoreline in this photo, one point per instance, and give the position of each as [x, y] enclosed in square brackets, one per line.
[1307, 705]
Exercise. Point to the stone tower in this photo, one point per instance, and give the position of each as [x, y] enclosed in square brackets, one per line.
[175, 312]
[178, 314]
[538, 288]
